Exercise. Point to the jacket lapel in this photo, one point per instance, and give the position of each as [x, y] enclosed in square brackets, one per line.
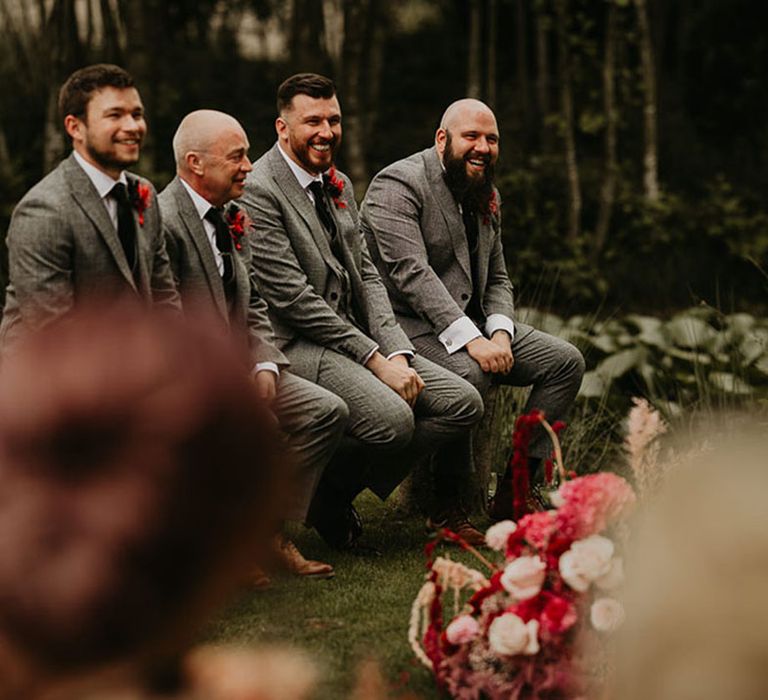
[450, 211]
[86, 196]
[191, 219]
[298, 199]
[484, 238]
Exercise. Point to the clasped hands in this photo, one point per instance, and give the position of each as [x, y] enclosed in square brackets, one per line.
[494, 355]
[398, 375]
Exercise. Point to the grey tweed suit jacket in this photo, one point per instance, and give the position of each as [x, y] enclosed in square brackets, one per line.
[199, 282]
[417, 239]
[63, 248]
[301, 279]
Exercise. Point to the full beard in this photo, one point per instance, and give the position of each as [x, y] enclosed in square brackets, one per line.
[302, 151]
[473, 193]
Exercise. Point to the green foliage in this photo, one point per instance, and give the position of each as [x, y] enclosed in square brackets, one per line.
[699, 357]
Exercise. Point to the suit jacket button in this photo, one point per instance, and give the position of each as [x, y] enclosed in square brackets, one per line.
[464, 297]
[334, 296]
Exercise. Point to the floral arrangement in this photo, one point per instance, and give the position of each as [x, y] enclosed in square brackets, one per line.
[521, 633]
[334, 185]
[140, 196]
[238, 224]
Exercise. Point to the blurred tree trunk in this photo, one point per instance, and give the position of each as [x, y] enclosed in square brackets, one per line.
[352, 90]
[521, 56]
[542, 77]
[566, 108]
[379, 26]
[647, 69]
[475, 50]
[608, 188]
[490, 71]
[307, 46]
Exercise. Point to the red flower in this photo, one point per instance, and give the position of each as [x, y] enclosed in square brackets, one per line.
[140, 196]
[238, 224]
[492, 210]
[334, 185]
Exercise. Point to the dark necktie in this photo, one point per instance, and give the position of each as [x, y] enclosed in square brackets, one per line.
[224, 245]
[474, 309]
[321, 205]
[126, 228]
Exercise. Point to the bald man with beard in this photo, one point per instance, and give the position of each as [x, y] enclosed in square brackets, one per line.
[207, 237]
[433, 225]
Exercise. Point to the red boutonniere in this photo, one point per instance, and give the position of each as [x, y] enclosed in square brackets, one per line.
[140, 196]
[493, 209]
[334, 185]
[238, 224]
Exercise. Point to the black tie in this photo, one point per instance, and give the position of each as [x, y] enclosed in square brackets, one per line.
[126, 228]
[474, 309]
[321, 205]
[224, 244]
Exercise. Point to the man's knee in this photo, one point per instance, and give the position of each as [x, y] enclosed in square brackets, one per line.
[333, 412]
[573, 362]
[469, 406]
[394, 428]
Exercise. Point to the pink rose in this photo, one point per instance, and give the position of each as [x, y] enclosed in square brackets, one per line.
[524, 577]
[509, 635]
[497, 535]
[586, 561]
[606, 614]
[462, 629]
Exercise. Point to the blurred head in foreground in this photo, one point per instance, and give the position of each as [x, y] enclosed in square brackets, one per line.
[697, 598]
[138, 476]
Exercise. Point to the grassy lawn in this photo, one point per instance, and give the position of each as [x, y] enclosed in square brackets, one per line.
[361, 613]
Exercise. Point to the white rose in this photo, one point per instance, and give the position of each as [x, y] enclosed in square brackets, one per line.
[606, 614]
[509, 635]
[524, 577]
[497, 535]
[615, 576]
[586, 560]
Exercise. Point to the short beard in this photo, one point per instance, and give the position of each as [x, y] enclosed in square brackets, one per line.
[472, 193]
[106, 162]
[302, 153]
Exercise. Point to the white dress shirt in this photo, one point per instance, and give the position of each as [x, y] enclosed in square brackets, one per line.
[103, 184]
[202, 205]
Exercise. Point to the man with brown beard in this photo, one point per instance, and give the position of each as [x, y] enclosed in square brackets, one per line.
[333, 320]
[433, 225]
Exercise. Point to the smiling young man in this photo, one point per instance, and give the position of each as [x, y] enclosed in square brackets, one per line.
[332, 317]
[433, 226]
[89, 229]
[210, 256]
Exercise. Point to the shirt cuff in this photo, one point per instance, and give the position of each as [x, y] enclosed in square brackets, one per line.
[458, 334]
[408, 353]
[370, 355]
[499, 322]
[266, 367]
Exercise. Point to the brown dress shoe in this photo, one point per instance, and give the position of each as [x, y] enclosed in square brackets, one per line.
[458, 523]
[290, 559]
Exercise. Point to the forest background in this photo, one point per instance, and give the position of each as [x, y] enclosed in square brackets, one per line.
[634, 149]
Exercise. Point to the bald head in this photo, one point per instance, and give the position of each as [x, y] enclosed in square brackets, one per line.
[211, 151]
[199, 131]
[462, 111]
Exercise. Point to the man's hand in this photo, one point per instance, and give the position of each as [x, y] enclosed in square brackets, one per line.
[397, 375]
[265, 382]
[493, 355]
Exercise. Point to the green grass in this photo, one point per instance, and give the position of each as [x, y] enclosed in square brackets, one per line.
[361, 613]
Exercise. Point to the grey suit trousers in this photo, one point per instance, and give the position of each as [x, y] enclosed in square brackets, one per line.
[552, 367]
[385, 436]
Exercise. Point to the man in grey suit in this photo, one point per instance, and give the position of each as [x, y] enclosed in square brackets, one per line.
[207, 237]
[89, 229]
[433, 226]
[333, 320]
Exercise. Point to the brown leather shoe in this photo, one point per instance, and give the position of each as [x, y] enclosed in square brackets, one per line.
[290, 559]
[458, 522]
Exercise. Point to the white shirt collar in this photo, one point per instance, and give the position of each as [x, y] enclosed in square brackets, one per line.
[101, 181]
[305, 179]
[201, 203]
